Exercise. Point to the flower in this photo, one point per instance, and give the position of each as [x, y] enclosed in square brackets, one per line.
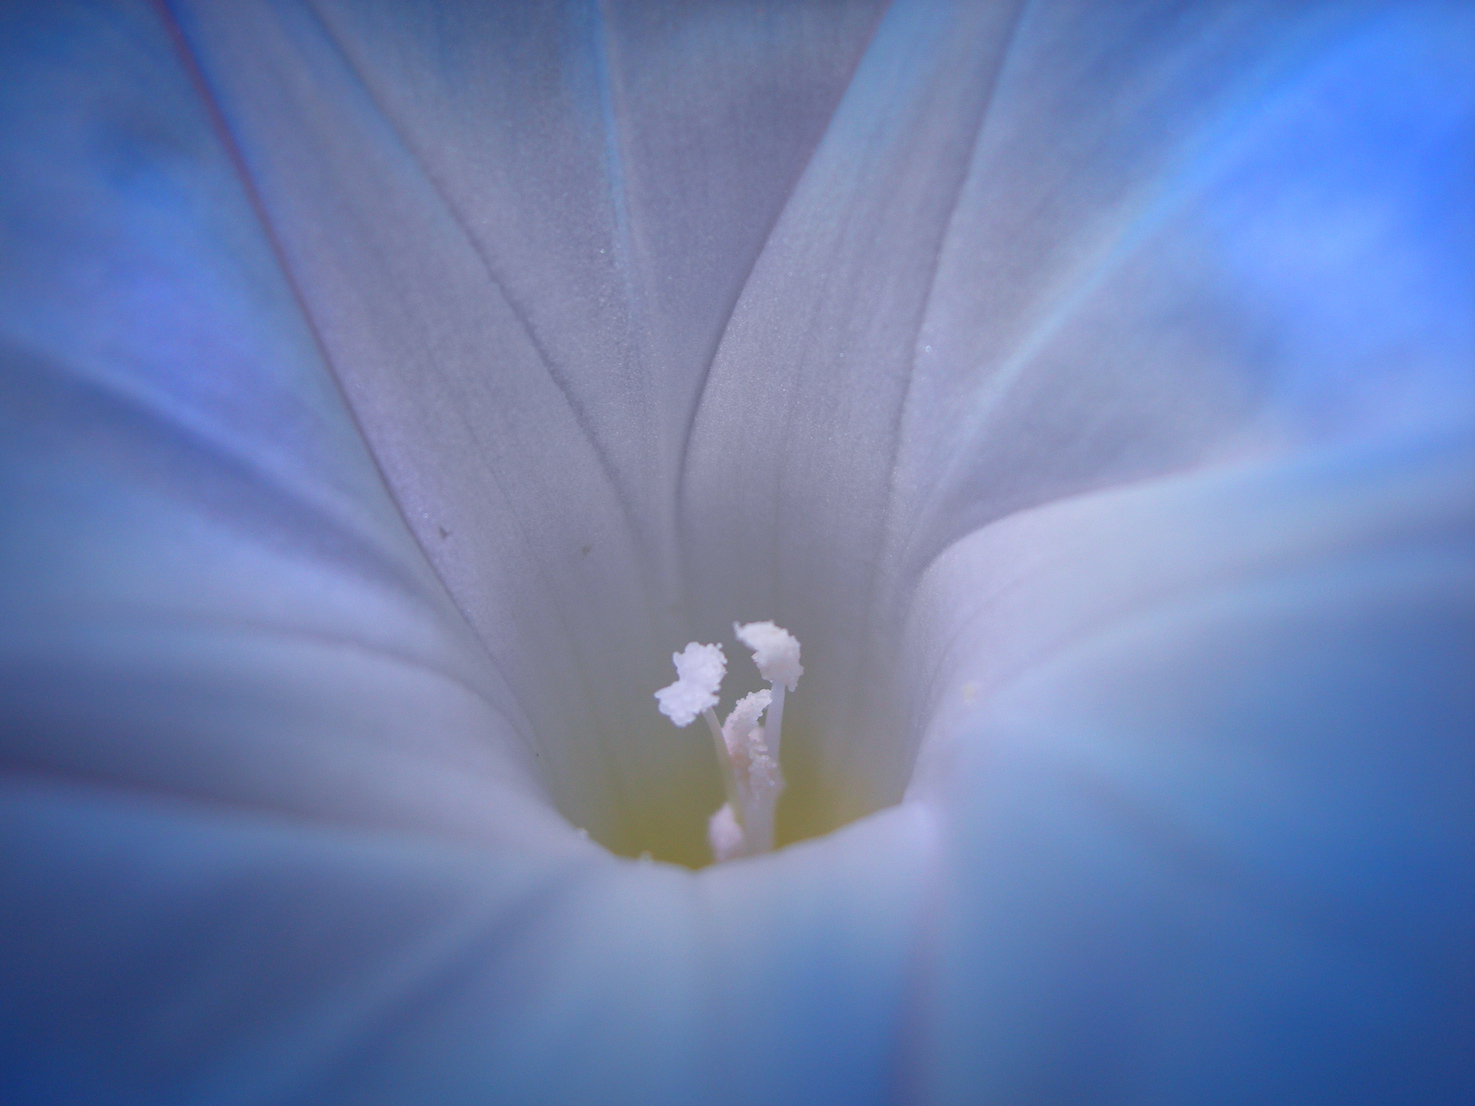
[391, 388]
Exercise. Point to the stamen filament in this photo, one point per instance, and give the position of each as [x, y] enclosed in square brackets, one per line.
[773, 721]
[724, 762]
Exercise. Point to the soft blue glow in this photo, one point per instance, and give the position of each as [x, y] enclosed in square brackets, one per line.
[388, 388]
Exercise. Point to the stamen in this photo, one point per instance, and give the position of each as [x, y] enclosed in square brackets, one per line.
[776, 653]
[725, 835]
[756, 777]
[699, 672]
[747, 747]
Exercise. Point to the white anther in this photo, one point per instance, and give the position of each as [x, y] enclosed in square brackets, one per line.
[775, 652]
[737, 731]
[725, 835]
[699, 672]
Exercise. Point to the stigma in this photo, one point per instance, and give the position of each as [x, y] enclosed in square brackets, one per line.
[747, 743]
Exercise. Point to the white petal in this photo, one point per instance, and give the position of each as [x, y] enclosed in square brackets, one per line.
[1039, 256]
[521, 325]
[205, 588]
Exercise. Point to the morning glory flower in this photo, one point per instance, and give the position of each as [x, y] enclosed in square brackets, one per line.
[390, 389]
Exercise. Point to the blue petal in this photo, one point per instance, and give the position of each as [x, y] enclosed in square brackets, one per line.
[202, 567]
[1205, 748]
